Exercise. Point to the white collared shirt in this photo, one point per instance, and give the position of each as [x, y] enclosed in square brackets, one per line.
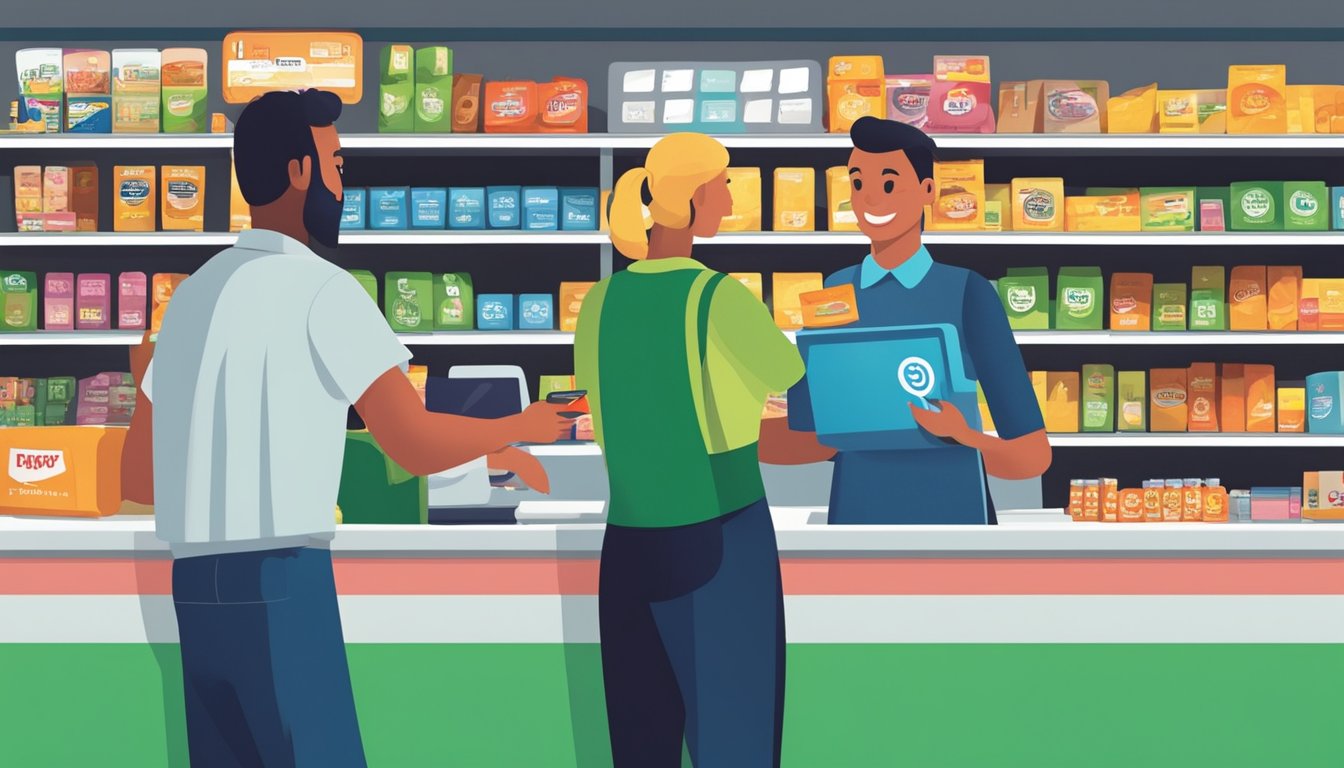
[262, 352]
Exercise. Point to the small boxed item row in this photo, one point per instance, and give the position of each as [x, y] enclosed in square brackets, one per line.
[65, 199]
[104, 399]
[1257, 298]
[421, 302]
[124, 91]
[1190, 500]
[1201, 398]
[532, 209]
[84, 302]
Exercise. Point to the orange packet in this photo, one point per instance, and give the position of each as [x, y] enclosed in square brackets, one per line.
[1285, 286]
[1168, 411]
[1092, 501]
[563, 105]
[1216, 503]
[1131, 506]
[1261, 397]
[1202, 390]
[510, 107]
[571, 303]
[1192, 502]
[830, 307]
[1131, 301]
[1232, 398]
[1173, 502]
[1152, 502]
[1110, 500]
[1248, 302]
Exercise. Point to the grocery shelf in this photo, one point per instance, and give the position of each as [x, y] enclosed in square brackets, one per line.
[487, 338]
[72, 339]
[108, 239]
[598, 141]
[1261, 239]
[398, 237]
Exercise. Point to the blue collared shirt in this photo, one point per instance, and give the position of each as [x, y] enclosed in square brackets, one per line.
[944, 485]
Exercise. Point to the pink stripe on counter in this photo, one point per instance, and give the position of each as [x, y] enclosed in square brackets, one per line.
[85, 576]
[448, 576]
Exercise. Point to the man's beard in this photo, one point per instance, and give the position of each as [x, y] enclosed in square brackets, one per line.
[322, 211]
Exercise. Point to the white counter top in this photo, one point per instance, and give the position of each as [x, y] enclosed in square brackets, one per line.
[800, 534]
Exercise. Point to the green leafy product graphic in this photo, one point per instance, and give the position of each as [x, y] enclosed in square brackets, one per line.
[433, 91]
[396, 90]
[407, 301]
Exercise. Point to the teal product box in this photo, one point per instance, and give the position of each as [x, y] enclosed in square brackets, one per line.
[494, 312]
[88, 114]
[1324, 391]
[429, 208]
[541, 208]
[578, 209]
[1337, 206]
[387, 207]
[354, 209]
[506, 207]
[536, 312]
[466, 208]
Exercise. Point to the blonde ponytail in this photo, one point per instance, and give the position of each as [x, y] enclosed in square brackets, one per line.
[676, 167]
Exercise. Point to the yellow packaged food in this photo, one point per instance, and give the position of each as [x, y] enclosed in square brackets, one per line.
[133, 200]
[795, 199]
[745, 186]
[1302, 108]
[1061, 401]
[1168, 394]
[183, 203]
[1261, 398]
[830, 307]
[571, 303]
[1257, 99]
[788, 290]
[1330, 312]
[838, 190]
[856, 87]
[1292, 409]
[256, 62]
[1178, 111]
[1134, 111]
[61, 471]
[1102, 213]
[1038, 205]
[959, 188]
[1285, 286]
[752, 281]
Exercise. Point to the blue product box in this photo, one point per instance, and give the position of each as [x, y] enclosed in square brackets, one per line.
[1337, 207]
[506, 207]
[354, 209]
[466, 208]
[1324, 391]
[494, 312]
[536, 312]
[88, 114]
[578, 209]
[429, 208]
[387, 207]
[541, 208]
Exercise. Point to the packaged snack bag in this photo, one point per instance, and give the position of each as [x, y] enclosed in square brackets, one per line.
[494, 312]
[1130, 297]
[1215, 502]
[1309, 305]
[960, 195]
[1076, 493]
[1203, 396]
[454, 301]
[1132, 408]
[1257, 206]
[1282, 305]
[396, 89]
[1232, 397]
[1025, 293]
[59, 302]
[184, 198]
[1110, 500]
[745, 186]
[467, 104]
[408, 300]
[1173, 501]
[1257, 99]
[959, 101]
[1192, 501]
[133, 201]
[1208, 304]
[1079, 306]
[1091, 501]
[1169, 411]
[571, 303]
[1248, 299]
[1306, 206]
[838, 191]
[1102, 213]
[830, 307]
[61, 471]
[752, 281]
[1331, 305]
[855, 88]
[1261, 397]
[1134, 111]
[1075, 106]
[510, 107]
[908, 98]
[1167, 209]
[563, 105]
[1038, 205]
[1292, 409]
[433, 94]
[1169, 305]
[184, 90]
[1020, 107]
[18, 302]
[93, 302]
[1061, 403]
[788, 291]
[795, 200]
[1098, 398]
[88, 91]
[1131, 505]
[1153, 491]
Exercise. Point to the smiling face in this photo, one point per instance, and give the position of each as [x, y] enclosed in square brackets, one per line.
[888, 196]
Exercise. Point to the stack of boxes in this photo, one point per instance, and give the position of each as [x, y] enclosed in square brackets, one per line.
[105, 399]
[36, 402]
[533, 209]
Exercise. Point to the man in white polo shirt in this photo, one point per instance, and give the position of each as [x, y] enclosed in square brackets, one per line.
[261, 354]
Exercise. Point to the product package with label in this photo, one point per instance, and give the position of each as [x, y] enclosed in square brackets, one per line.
[1257, 206]
[1257, 99]
[1132, 401]
[795, 200]
[578, 209]
[1062, 401]
[184, 90]
[959, 189]
[134, 204]
[1215, 208]
[1169, 307]
[536, 312]
[1168, 388]
[433, 94]
[163, 285]
[1202, 392]
[494, 312]
[388, 207]
[132, 301]
[1131, 300]
[571, 303]
[1208, 299]
[1098, 399]
[58, 301]
[1284, 285]
[1075, 106]
[18, 302]
[1038, 205]
[1292, 409]
[466, 208]
[855, 88]
[396, 89]
[1261, 398]
[93, 302]
[354, 208]
[841, 216]
[1232, 397]
[719, 97]
[541, 208]
[1248, 299]
[455, 302]
[959, 101]
[1306, 206]
[183, 197]
[136, 90]
[88, 91]
[1025, 293]
[1020, 108]
[506, 207]
[908, 99]
[1167, 209]
[256, 62]
[1324, 393]
[787, 294]
[1079, 304]
[408, 301]
[1103, 213]
[41, 85]
[61, 471]
[429, 208]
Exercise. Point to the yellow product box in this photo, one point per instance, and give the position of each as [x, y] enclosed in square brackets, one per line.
[240, 213]
[788, 290]
[1302, 108]
[1102, 213]
[959, 189]
[830, 307]
[1040, 381]
[1292, 409]
[1257, 99]
[134, 204]
[856, 86]
[571, 303]
[1192, 111]
[1330, 313]
[795, 200]
[745, 186]
[1003, 195]
[752, 281]
[1061, 401]
[183, 188]
[1038, 205]
[256, 62]
[1134, 111]
[61, 471]
[841, 216]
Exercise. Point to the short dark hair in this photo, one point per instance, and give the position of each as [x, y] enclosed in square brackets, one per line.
[273, 129]
[871, 134]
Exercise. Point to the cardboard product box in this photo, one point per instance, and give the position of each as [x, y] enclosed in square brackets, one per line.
[1261, 398]
[1215, 208]
[1134, 111]
[355, 209]
[1080, 302]
[1002, 194]
[137, 85]
[1202, 392]
[1062, 401]
[1232, 397]
[795, 200]
[1248, 299]
[959, 189]
[93, 302]
[132, 301]
[408, 301]
[1257, 206]
[183, 197]
[1075, 106]
[466, 208]
[541, 208]
[1025, 293]
[1330, 313]
[18, 302]
[571, 304]
[1325, 403]
[134, 204]
[184, 90]
[84, 197]
[1132, 401]
[433, 94]
[1169, 307]
[840, 211]
[578, 209]
[1020, 107]
[1306, 206]
[1038, 205]
[1103, 213]
[1292, 409]
[1257, 99]
[1309, 305]
[1169, 410]
[505, 207]
[1167, 209]
[389, 207]
[429, 208]
[1131, 300]
[1285, 286]
[1098, 382]
[1208, 299]
[855, 88]
[494, 312]
[59, 302]
[536, 312]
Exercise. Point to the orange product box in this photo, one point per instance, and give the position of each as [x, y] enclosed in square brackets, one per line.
[1202, 391]
[1232, 397]
[1131, 301]
[1173, 501]
[1309, 305]
[1261, 397]
[1091, 501]
[1131, 505]
[257, 62]
[1248, 303]
[788, 290]
[511, 107]
[84, 197]
[571, 303]
[1110, 500]
[563, 105]
[1152, 501]
[61, 471]
[1169, 395]
[1285, 287]
[1216, 503]
[1331, 305]
[1076, 499]
[856, 87]
[165, 285]
[830, 307]
[134, 203]
[1192, 502]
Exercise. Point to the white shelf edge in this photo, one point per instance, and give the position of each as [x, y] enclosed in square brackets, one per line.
[399, 237]
[486, 338]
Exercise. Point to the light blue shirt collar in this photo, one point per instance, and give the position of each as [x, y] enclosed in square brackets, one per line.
[909, 274]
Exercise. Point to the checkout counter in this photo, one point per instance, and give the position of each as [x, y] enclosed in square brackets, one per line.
[1047, 642]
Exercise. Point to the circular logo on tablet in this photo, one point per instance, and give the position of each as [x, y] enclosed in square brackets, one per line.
[916, 376]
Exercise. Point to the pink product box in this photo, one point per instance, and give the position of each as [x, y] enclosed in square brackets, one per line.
[59, 301]
[1211, 216]
[132, 301]
[1295, 505]
[1270, 509]
[91, 415]
[93, 303]
[46, 222]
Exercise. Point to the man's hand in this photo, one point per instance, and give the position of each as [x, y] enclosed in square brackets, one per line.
[524, 465]
[542, 423]
[947, 421]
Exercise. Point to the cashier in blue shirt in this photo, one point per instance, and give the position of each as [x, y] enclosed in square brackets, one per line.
[899, 284]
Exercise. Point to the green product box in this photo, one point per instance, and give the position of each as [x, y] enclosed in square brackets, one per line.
[408, 300]
[61, 390]
[1223, 194]
[454, 302]
[1306, 206]
[1079, 305]
[18, 302]
[1169, 307]
[56, 415]
[368, 282]
[1098, 398]
[1257, 206]
[1208, 299]
[184, 91]
[1167, 209]
[1025, 293]
[433, 90]
[1132, 388]
[375, 489]
[25, 416]
[396, 89]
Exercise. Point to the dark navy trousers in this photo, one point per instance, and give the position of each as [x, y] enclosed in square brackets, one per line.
[264, 672]
[692, 622]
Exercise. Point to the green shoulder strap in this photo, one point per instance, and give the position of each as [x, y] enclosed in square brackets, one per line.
[702, 316]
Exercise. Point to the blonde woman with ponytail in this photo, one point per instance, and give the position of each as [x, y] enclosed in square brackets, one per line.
[677, 362]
